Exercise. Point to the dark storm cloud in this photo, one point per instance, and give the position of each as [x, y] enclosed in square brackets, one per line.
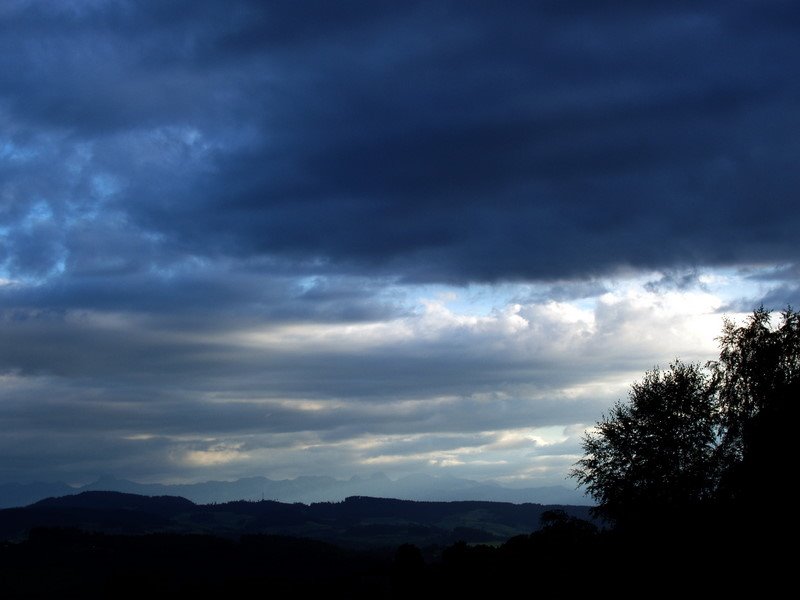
[787, 291]
[779, 298]
[231, 295]
[676, 280]
[779, 289]
[212, 214]
[446, 141]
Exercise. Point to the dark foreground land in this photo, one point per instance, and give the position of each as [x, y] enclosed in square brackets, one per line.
[98, 546]
[572, 561]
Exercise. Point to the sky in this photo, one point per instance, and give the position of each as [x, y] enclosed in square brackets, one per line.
[340, 238]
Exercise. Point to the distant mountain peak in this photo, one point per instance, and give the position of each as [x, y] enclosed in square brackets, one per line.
[306, 489]
[106, 478]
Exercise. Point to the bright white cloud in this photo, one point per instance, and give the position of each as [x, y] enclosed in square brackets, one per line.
[213, 456]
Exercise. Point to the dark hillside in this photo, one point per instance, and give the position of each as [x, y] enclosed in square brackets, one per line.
[356, 522]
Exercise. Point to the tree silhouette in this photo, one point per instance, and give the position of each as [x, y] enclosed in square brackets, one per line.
[691, 436]
[656, 450]
[758, 381]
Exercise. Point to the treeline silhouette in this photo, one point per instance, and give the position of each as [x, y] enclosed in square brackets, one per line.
[357, 522]
[568, 557]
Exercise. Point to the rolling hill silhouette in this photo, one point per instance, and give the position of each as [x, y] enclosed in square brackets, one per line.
[355, 522]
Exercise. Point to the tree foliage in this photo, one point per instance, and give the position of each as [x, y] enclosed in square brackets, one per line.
[695, 435]
[757, 380]
[655, 450]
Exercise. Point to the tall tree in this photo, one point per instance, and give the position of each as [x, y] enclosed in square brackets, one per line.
[758, 378]
[657, 450]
